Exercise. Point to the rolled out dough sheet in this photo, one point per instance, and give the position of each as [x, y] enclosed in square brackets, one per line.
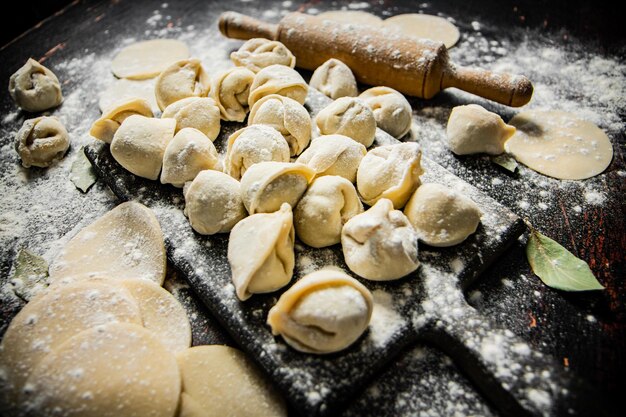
[148, 59]
[123, 89]
[424, 26]
[356, 17]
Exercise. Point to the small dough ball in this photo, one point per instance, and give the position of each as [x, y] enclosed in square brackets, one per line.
[200, 113]
[139, 144]
[230, 90]
[334, 155]
[251, 145]
[267, 185]
[325, 312]
[380, 244]
[213, 203]
[188, 153]
[473, 129]
[105, 127]
[350, 117]
[391, 109]
[35, 88]
[258, 53]
[182, 79]
[328, 203]
[148, 59]
[222, 381]
[287, 116]
[352, 17]
[41, 141]
[391, 172]
[278, 79]
[334, 79]
[124, 89]
[260, 252]
[441, 216]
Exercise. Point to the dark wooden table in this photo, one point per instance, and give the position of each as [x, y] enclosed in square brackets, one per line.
[552, 42]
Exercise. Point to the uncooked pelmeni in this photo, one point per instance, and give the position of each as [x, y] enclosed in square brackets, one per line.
[325, 312]
[182, 79]
[148, 59]
[267, 185]
[41, 141]
[35, 88]
[251, 145]
[328, 203]
[380, 244]
[334, 155]
[258, 53]
[391, 109]
[260, 252]
[350, 117]
[441, 216]
[222, 381]
[124, 89]
[424, 26]
[352, 17]
[113, 370]
[278, 79]
[139, 144]
[105, 127]
[200, 113]
[473, 129]
[334, 79]
[213, 203]
[287, 116]
[391, 172]
[559, 144]
[230, 90]
[188, 153]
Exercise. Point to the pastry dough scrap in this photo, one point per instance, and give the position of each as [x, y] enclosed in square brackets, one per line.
[182, 79]
[278, 79]
[105, 127]
[35, 88]
[230, 90]
[148, 59]
[200, 113]
[391, 109]
[334, 155]
[188, 153]
[258, 53]
[334, 79]
[350, 117]
[473, 129]
[41, 141]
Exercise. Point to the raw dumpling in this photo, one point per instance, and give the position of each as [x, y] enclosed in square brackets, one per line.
[473, 129]
[287, 116]
[326, 311]
[230, 90]
[251, 145]
[441, 216]
[267, 185]
[391, 109]
[188, 153]
[105, 127]
[258, 53]
[213, 203]
[35, 88]
[350, 117]
[334, 79]
[328, 203]
[139, 144]
[380, 244]
[260, 252]
[391, 172]
[334, 155]
[182, 79]
[41, 141]
[200, 113]
[278, 79]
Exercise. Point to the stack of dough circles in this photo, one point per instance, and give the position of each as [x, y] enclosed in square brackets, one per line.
[112, 370]
[41, 141]
[230, 90]
[105, 127]
[148, 59]
[424, 26]
[258, 53]
[200, 113]
[559, 144]
[222, 381]
[278, 79]
[350, 117]
[352, 17]
[391, 109]
[127, 242]
[251, 145]
[124, 89]
[441, 216]
[334, 155]
[334, 79]
[186, 78]
[325, 312]
[35, 88]
[473, 129]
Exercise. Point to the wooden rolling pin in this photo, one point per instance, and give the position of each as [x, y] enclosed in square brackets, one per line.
[416, 67]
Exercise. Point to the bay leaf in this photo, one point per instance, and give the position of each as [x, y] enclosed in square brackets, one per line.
[82, 174]
[506, 161]
[30, 276]
[557, 267]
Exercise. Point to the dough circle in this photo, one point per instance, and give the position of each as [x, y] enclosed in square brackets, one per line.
[148, 59]
[124, 89]
[559, 144]
[356, 17]
[424, 26]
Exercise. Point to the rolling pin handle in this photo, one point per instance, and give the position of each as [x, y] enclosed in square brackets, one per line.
[238, 26]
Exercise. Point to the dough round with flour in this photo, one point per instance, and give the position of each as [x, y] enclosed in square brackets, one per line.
[355, 17]
[230, 90]
[35, 88]
[441, 216]
[258, 53]
[380, 244]
[41, 141]
[124, 89]
[113, 370]
[251, 145]
[391, 109]
[473, 129]
[213, 203]
[182, 79]
[559, 144]
[424, 26]
[222, 381]
[350, 117]
[199, 113]
[334, 79]
[334, 155]
[325, 312]
[278, 79]
[148, 59]
[105, 127]
[188, 153]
